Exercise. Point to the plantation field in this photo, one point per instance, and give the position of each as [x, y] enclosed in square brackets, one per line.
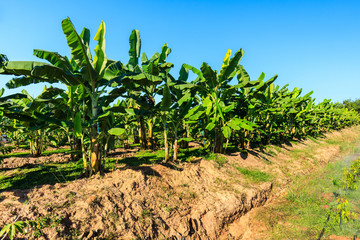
[128, 149]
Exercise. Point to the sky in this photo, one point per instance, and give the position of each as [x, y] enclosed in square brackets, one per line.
[313, 45]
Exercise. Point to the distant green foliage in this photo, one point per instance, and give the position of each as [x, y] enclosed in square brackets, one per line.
[351, 104]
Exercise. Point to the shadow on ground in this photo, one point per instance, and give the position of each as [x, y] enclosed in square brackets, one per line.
[30, 176]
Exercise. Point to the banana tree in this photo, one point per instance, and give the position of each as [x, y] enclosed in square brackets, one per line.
[250, 96]
[216, 109]
[70, 103]
[92, 74]
[33, 127]
[156, 66]
[145, 83]
[181, 99]
[158, 69]
[7, 106]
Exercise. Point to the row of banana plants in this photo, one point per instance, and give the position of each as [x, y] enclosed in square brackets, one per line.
[218, 109]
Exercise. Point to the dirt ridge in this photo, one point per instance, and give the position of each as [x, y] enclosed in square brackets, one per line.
[149, 202]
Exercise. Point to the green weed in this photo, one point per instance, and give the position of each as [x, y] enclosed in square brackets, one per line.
[146, 213]
[218, 158]
[254, 175]
[45, 153]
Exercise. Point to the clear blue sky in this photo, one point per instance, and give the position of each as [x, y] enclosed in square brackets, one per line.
[314, 45]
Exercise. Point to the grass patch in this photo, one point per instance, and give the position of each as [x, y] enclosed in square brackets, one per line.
[56, 151]
[139, 158]
[313, 139]
[24, 146]
[133, 145]
[254, 175]
[272, 150]
[218, 158]
[16, 154]
[304, 210]
[47, 173]
[300, 153]
[332, 141]
[44, 153]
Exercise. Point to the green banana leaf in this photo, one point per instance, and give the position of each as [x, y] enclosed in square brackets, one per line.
[55, 59]
[135, 46]
[209, 75]
[117, 131]
[100, 59]
[47, 118]
[229, 66]
[166, 100]
[12, 96]
[79, 51]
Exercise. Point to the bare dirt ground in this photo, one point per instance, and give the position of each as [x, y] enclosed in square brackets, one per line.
[197, 200]
[26, 159]
[17, 162]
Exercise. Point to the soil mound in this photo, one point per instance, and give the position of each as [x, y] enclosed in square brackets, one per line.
[188, 201]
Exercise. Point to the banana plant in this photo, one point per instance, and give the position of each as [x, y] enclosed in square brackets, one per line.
[35, 128]
[183, 101]
[250, 96]
[216, 109]
[7, 107]
[93, 74]
[140, 95]
[67, 106]
[156, 66]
